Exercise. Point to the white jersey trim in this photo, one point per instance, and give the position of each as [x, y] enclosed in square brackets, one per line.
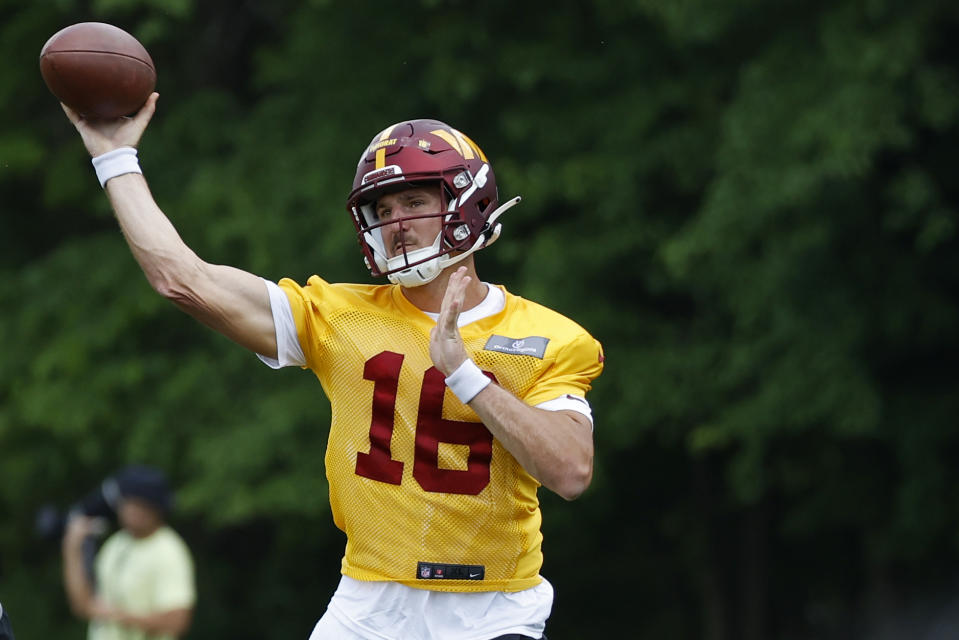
[290, 354]
[493, 303]
[394, 611]
[568, 402]
[288, 350]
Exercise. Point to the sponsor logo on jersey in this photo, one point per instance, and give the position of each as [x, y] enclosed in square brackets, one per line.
[531, 346]
[443, 571]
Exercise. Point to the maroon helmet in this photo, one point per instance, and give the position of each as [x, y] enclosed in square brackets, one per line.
[414, 153]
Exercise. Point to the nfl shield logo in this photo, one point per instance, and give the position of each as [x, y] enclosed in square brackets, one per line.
[424, 572]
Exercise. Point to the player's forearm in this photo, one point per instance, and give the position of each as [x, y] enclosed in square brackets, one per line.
[228, 300]
[552, 446]
[154, 242]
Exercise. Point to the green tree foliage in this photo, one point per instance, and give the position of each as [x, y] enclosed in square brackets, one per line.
[750, 204]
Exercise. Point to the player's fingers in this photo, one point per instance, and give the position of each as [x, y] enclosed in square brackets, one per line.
[459, 296]
[452, 304]
[73, 115]
[455, 294]
[461, 286]
[146, 112]
[449, 294]
[451, 318]
[451, 286]
[446, 322]
[456, 289]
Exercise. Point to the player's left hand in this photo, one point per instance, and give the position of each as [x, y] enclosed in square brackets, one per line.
[446, 344]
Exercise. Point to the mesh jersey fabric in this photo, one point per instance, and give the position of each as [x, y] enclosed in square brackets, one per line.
[414, 476]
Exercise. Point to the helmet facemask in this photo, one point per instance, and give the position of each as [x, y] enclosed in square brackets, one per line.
[414, 267]
[425, 152]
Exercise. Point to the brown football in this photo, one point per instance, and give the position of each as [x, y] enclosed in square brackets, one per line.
[99, 70]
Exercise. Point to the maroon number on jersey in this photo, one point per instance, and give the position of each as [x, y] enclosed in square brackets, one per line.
[431, 429]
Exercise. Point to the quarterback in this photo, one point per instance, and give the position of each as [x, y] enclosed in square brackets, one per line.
[452, 399]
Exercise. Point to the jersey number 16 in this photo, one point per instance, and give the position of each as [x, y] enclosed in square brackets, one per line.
[431, 429]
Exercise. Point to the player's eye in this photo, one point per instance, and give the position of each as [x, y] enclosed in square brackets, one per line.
[383, 214]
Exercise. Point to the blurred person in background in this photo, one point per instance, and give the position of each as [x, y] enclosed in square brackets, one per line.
[6, 631]
[144, 586]
[453, 400]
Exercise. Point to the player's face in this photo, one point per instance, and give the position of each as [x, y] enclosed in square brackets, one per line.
[407, 233]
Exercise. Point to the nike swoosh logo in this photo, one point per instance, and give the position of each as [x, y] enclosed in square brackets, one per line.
[474, 575]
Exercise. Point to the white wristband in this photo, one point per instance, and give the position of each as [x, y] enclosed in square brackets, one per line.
[116, 163]
[467, 381]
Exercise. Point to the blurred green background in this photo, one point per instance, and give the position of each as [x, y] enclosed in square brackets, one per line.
[753, 205]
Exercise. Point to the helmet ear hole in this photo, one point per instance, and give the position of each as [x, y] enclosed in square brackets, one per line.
[483, 204]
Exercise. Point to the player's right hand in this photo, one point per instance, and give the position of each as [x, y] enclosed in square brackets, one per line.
[100, 136]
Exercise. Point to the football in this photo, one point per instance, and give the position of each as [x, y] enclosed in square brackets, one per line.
[99, 70]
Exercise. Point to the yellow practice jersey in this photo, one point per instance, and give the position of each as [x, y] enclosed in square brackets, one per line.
[427, 497]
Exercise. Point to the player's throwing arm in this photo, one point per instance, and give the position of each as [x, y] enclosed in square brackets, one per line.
[100, 73]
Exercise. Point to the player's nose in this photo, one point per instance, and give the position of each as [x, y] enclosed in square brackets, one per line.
[402, 216]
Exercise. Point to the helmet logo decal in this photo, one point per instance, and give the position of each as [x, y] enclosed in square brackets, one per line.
[453, 142]
[472, 144]
[380, 147]
[463, 145]
[383, 143]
